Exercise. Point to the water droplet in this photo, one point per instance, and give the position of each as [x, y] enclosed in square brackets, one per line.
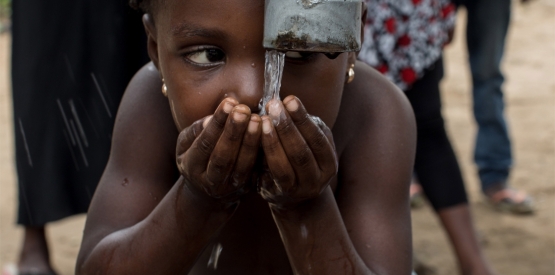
[215, 256]
[125, 182]
[225, 95]
[253, 65]
[244, 47]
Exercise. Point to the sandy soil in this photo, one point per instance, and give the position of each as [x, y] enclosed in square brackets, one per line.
[515, 245]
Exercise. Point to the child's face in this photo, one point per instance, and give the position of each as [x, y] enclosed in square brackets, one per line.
[207, 50]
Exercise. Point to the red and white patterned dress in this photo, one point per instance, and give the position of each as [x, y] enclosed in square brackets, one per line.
[404, 37]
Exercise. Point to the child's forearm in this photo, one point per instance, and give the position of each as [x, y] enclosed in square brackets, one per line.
[316, 239]
[168, 241]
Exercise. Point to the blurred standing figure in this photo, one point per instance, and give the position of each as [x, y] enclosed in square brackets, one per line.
[487, 25]
[71, 62]
[404, 40]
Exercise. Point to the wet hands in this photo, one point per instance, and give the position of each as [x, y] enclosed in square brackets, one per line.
[300, 154]
[215, 155]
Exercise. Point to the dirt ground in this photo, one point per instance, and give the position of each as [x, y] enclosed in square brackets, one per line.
[515, 245]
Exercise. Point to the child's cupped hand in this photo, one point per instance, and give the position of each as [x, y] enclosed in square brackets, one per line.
[300, 154]
[216, 154]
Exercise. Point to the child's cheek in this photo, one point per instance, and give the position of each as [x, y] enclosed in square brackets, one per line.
[176, 118]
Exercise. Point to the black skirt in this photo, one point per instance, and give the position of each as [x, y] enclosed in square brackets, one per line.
[71, 62]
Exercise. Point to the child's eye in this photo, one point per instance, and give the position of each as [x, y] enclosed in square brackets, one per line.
[206, 57]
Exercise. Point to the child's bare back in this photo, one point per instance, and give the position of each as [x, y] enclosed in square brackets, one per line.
[320, 186]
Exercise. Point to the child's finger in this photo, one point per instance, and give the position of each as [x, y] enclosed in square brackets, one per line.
[329, 135]
[299, 154]
[282, 172]
[320, 144]
[189, 134]
[248, 152]
[318, 121]
[224, 154]
[186, 139]
[202, 147]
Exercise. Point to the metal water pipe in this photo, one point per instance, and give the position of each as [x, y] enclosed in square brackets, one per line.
[326, 26]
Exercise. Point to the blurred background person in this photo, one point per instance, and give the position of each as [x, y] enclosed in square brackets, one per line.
[5, 14]
[404, 40]
[486, 31]
[71, 62]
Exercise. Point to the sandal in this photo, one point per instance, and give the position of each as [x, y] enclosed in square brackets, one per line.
[421, 268]
[416, 196]
[511, 200]
[11, 269]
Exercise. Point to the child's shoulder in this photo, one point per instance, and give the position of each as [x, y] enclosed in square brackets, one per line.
[371, 91]
[143, 98]
[372, 104]
[375, 135]
[144, 117]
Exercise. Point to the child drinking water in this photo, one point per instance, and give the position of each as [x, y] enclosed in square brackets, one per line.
[198, 183]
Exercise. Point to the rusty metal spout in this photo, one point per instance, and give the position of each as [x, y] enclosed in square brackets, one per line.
[328, 26]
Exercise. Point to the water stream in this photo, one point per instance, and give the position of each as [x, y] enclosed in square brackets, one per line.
[273, 71]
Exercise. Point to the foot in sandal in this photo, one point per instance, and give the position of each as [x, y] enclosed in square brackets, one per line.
[510, 200]
[416, 195]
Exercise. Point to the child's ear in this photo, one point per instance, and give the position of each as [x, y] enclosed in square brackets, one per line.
[152, 43]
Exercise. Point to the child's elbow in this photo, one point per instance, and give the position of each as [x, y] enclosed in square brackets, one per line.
[88, 263]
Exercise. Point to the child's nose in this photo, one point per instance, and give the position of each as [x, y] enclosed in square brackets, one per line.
[247, 85]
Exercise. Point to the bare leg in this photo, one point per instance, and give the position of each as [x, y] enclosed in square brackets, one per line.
[34, 257]
[457, 221]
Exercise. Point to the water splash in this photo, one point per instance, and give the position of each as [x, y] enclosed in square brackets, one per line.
[71, 150]
[90, 121]
[101, 95]
[66, 122]
[215, 256]
[79, 143]
[78, 121]
[25, 143]
[273, 72]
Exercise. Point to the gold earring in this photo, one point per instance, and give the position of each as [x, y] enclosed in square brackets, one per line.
[164, 89]
[351, 74]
